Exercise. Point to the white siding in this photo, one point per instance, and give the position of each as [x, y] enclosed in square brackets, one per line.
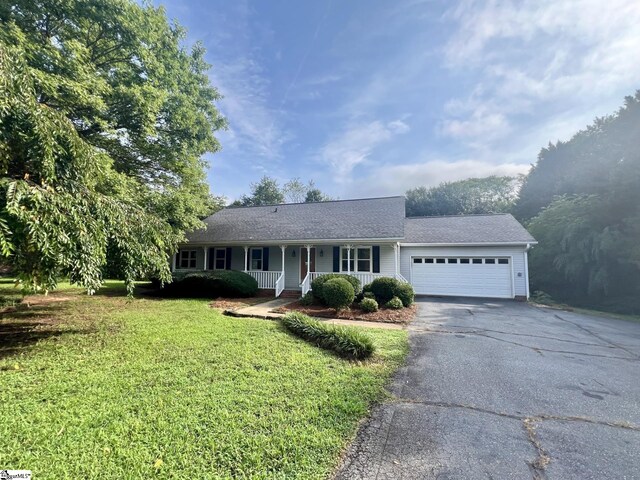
[517, 254]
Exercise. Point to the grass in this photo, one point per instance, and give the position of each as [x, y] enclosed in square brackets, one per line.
[110, 387]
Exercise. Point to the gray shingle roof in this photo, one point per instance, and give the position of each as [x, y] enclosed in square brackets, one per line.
[497, 228]
[372, 218]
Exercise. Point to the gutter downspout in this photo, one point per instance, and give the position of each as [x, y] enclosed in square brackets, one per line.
[526, 268]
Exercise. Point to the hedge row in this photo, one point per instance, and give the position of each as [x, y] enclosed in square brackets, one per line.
[347, 342]
[220, 283]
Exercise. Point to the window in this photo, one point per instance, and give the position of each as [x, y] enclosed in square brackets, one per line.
[417, 260]
[358, 259]
[464, 260]
[256, 259]
[452, 260]
[428, 260]
[220, 259]
[439, 260]
[187, 259]
[477, 260]
[491, 261]
[503, 261]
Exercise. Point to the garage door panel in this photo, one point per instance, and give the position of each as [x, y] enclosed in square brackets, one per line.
[458, 279]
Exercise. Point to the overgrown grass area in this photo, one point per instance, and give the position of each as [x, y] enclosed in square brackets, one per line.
[110, 387]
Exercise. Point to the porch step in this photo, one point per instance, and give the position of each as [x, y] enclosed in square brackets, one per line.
[290, 294]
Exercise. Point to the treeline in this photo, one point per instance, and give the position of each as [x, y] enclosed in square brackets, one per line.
[581, 201]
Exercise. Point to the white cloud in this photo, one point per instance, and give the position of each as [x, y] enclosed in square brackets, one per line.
[397, 179]
[254, 126]
[537, 60]
[355, 145]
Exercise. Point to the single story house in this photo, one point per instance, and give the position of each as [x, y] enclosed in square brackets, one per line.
[284, 247]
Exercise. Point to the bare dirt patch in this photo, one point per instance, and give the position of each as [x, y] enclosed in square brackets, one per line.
[237, 303]
[384, 315]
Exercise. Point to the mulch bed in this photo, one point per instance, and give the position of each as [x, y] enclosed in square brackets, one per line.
[236, 303]
[384, 315]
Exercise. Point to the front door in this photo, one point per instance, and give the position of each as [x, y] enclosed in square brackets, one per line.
[303, 262]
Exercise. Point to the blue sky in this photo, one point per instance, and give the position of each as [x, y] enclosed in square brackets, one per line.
[370, 98]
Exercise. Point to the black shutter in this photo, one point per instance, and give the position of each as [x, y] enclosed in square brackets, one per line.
[265, 259]
[228, 261]
[336, 259]
[376, 258]
[211, 258]
[249, 259]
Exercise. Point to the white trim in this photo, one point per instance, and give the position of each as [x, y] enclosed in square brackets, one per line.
[315, 258]
[195, 258]
[313, 241]
[355, 258]
[485, 244]
[526, 270]
[251, 269]
[215, 258]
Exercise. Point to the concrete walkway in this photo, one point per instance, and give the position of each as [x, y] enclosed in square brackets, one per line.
[265, 310]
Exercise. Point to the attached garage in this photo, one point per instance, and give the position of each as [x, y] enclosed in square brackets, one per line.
[463, 276]
[466, 256]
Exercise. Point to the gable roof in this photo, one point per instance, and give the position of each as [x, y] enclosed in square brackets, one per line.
[466, 229]
[370, 218]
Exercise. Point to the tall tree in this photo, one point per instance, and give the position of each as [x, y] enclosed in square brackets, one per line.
[104, 118]
[584, 196]
[471, 196]
[268, 192]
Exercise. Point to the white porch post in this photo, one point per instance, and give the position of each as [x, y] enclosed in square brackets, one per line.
[206, 253]
[308, 247]
[174, 262]
[348, 247]
[283, 248]
[246, 256]
[395, 257]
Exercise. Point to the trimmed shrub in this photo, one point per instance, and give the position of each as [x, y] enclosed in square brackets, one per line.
[369, 295]
[384, 288]
[221, 283]
[405, 293]
[307, 300]
[338, 293]
[369, 305]
[318, 283]
[346, 342]
[395, 303]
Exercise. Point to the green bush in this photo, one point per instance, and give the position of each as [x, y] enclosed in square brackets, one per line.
[318, 283]
[405, 293]
[338, 293]
[307, 300]
[221, 283]
[395, 303]
[369, 295]
[369, 305]
[385, 288]
[347, 342]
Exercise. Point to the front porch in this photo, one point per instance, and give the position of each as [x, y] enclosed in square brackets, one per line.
[293, 267]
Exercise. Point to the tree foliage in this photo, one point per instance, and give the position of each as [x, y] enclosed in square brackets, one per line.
[104, 119]
[268, 192]
[584, 196]
[471, 196]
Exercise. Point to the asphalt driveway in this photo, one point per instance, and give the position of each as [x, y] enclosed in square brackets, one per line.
[500, 389]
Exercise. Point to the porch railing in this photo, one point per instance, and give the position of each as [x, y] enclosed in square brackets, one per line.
[265, 279]
[306, 283]
[280, 284]
[401, 278]
[364, 277]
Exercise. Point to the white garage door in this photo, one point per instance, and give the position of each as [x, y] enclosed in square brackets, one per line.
[462, 276]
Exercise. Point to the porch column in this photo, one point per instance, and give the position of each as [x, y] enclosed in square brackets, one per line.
[174, 262]
[283, 248]
[206, 253]
[308, 247]
[395, 257]
[246, 256]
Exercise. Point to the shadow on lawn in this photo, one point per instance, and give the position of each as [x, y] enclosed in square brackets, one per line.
[23, 326]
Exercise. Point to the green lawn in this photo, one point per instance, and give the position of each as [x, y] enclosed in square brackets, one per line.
[110, 387]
